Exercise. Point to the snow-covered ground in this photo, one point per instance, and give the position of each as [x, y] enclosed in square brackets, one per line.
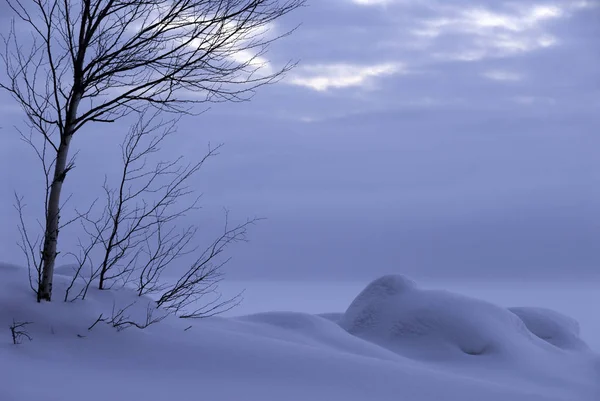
[395, 341]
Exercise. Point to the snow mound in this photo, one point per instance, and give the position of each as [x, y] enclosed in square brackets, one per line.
[431, 324]
[332, 316]
[311, 330]
[67, 319]
[553, 327]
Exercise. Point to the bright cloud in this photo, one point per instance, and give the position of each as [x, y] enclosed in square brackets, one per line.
[489, 33]
[327, 76]
[239, 45]
[526, 19]
[255, 62]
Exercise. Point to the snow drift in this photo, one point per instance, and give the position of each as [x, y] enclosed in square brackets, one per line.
[394, 313]
[395, 341]
[553, 327]
[517, 345]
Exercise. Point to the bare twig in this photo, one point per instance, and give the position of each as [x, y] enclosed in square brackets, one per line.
[18, 332]
[121, 321]
[30, 248]
[136, 237]
[203, 277]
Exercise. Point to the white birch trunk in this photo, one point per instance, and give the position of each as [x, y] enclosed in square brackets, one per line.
[53, 212]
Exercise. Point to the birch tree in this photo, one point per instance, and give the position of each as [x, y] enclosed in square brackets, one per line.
[96, 61]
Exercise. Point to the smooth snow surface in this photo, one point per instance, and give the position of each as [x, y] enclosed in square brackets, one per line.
[395, 342]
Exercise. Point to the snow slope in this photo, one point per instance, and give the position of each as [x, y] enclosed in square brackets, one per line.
[395, 342]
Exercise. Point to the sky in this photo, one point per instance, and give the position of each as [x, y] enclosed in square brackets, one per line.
[445, 139]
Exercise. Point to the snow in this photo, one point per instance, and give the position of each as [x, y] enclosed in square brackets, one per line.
[395, 341]
[394, 313]
[553, 327]
[575, 298]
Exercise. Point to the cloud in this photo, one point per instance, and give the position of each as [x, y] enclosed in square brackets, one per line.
[322, 77]
[488, 33]
[480, 20]
[500, 75]
[531, 100]
[255, 63]
[386, 2]
[241, 46]
[527, 18]
[584, 4]
[371, 2]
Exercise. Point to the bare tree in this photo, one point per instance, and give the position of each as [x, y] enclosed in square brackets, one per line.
[148, 196]
[99, 60]
[138, 235]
